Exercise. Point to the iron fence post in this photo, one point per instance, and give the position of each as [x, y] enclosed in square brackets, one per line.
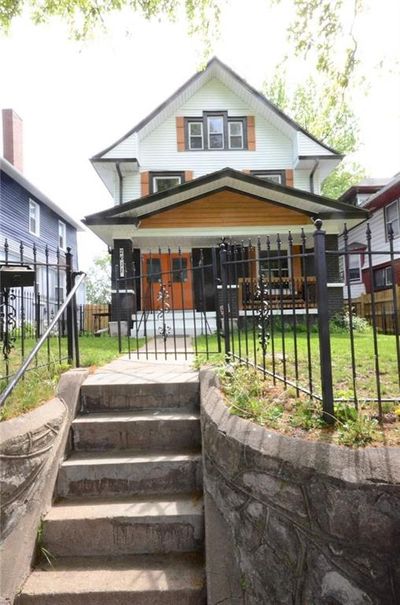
[321, 275]
[70, 320]
[225, 304]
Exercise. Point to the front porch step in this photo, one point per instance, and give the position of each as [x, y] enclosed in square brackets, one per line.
[126, 473]
[99, 394]
[113, 527]
[172, 429]
[180, 323]
[136, 579]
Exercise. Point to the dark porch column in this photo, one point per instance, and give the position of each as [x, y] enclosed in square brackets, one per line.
[122, 287]
[335, 293]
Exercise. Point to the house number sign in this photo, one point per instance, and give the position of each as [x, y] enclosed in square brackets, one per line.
[121, 262]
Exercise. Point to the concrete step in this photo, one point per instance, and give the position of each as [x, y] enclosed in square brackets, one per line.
[154, 429]
[100, 395]
[160, 524]
[128, 473]
[135, 579]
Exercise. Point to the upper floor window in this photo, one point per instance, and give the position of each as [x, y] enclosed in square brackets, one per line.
[392, 217]
[354, 268]
[195, 135]
[34, 218]
[161, 181]
[275, 176]
[62, 236]
[215, 130]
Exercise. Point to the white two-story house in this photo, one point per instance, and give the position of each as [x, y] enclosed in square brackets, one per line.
[215, 160]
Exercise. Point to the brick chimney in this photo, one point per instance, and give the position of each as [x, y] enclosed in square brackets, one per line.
[12, 138]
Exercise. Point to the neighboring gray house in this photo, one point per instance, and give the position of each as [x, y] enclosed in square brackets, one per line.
[27, 215]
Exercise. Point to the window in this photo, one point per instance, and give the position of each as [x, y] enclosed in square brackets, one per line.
[235, 133]
[275, 265]
[392, 217]
[34, 218]
[153, 270]
[59, 293]
[354, 268]
[179, 270]
[215, 130]
[162, 181]
[383, 278]
[275, 176]
[196, 137]
[62, 239]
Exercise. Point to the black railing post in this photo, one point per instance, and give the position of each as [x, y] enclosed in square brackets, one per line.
[321, 274]
[225, 303]
[70, 320]
[75, 324]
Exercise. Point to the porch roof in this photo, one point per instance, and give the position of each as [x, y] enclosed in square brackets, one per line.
[116, 219]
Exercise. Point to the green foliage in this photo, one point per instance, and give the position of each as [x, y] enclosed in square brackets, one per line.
[340, 323]
[357, 431]
[307, 416]
[98, 282]
[322, 110]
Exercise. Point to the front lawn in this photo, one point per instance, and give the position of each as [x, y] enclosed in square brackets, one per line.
[40, 382]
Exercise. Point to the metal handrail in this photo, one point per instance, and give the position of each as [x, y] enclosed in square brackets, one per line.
[18, 375]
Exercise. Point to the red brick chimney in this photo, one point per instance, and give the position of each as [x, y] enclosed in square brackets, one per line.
[12, 138]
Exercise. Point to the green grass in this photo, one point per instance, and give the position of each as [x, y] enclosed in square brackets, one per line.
[341, 361]
[40, 383]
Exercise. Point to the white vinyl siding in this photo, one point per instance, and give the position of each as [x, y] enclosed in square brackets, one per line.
[307, 146]
[158, 151]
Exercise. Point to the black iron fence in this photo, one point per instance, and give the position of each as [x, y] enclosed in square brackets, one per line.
[283, 304]
[34, 285]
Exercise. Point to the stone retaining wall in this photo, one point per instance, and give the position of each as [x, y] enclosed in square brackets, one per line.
[290, 521]
[31, 447]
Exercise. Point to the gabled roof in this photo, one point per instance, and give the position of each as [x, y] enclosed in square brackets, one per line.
[17, 176]
[227, 179]
[217, 68]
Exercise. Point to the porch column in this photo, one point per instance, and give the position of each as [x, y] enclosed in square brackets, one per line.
[122, 290]
[335, 291]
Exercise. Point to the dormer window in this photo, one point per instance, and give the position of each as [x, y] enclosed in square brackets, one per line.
[215, 131]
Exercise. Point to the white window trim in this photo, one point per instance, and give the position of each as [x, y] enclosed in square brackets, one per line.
[63, 227]
[230, 122]
[267, 177]
[36, 206]
[397, 203]
[197, 136]
[359, 279]
[220, 117]
[167, 176]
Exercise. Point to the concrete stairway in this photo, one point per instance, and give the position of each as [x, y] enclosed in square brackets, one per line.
[127, 525]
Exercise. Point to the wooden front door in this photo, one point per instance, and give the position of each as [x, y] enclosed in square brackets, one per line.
[174, 272]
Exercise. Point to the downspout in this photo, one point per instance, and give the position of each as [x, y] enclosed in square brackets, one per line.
[121, 183]
[312, 176]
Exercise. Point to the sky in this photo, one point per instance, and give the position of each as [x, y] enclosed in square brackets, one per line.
[76, 98]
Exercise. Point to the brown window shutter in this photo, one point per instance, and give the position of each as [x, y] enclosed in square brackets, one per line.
[289, 178]
[144, 183]
[180, 133]
[188, 175]
[251, 133]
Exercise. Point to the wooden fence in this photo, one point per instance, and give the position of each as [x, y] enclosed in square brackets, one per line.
[384, 309]
[94, 317]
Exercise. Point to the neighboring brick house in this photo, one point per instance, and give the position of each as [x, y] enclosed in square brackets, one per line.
[216, 159]
[382, 199]
[27, 215]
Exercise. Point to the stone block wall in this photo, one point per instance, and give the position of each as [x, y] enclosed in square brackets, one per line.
[295, 521]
